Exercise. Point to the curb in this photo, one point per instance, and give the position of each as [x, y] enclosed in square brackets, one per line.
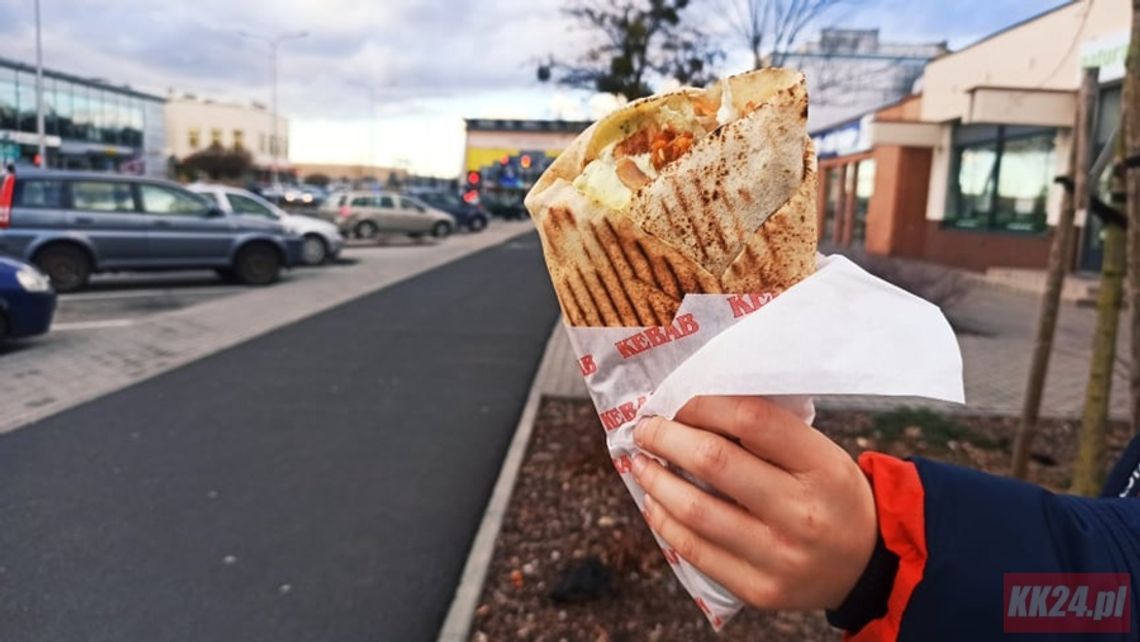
[457, 624]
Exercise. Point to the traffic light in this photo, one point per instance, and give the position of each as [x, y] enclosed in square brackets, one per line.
[504, 160]
[524, 162]
[473, 178]
[471, 196]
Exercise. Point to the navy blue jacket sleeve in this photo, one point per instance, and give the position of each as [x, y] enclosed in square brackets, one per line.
[952, 534]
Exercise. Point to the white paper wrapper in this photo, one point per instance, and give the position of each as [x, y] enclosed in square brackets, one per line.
[840, 331]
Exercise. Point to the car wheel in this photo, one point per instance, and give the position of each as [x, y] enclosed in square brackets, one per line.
[441, 230]
[477, 224]
[367, 230]
[257, 264]
[67, 266]
[314, 251]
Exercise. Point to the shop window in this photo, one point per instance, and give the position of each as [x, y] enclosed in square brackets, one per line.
[864, 187]
[9, 107]
[1000, 178]
[239, 139]
[215, 137]
[194, 137]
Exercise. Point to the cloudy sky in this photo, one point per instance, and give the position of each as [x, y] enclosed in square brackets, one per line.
[432, 62]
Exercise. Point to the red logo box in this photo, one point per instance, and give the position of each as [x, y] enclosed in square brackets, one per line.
[1067, 602]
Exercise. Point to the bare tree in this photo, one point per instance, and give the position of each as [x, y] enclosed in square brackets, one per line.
[773, 26]
[638, 41]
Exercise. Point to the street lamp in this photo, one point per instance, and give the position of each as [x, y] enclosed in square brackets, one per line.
[41, 134]
[274, 42]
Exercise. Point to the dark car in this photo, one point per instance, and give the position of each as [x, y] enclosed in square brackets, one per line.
[466, 215]
[73, 224]
[27, 302]
[504, 204]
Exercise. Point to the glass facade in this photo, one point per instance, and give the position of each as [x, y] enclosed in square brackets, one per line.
[1000, 178]
[94, 123]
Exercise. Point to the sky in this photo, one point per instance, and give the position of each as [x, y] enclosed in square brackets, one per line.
[430, 63]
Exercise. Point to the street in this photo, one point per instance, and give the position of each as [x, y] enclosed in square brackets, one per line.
[320, 481]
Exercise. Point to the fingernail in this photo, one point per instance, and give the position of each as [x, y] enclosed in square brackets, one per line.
[650, 506]
[639, 464]
[639, 431]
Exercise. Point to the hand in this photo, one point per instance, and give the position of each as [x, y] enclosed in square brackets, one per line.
[802, 528]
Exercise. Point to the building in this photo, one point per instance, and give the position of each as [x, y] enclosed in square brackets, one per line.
[507, 156]
[194, 124]
[851, 71]
[349, 173]
[962, 173]
[89, 123]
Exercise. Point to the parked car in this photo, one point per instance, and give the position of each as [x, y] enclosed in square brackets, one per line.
[27, 302]
[506, 204]
[470, 216]
[367, 215]
[72, 224]
[320, 240]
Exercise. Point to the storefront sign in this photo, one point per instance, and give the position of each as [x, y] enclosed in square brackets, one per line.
[1107, 52]
[850, 138]
[27, 138]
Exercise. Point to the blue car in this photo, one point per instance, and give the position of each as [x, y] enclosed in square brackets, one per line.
[466, 215]
[27, 302]
[73, 224]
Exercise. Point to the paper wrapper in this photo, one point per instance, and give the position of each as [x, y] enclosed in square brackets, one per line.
[839, 331]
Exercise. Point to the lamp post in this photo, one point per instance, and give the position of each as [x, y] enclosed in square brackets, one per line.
[274, 42]
[40, 129]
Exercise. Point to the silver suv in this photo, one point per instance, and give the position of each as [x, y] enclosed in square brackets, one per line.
[367, 215]
[71, 224]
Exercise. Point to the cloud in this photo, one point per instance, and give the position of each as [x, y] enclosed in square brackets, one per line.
[430, 62]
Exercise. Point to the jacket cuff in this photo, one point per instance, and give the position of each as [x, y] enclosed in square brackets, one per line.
[868, 599]
[899, 503]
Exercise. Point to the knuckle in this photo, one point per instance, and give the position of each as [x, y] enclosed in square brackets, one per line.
[754, 414]
[692, 510]
[710, 456]
[689, 550]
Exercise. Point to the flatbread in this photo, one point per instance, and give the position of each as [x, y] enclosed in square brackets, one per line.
[734, 214]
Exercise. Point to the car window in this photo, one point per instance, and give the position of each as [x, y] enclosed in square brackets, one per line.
[163, 200]
[102, 196]
[38, 193]
[387, 202]
[245, 205]
[409, 204]
[363, 201]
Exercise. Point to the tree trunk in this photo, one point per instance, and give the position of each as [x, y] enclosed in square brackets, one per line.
[1059, 261]
[1130, 116]
[1088, 472]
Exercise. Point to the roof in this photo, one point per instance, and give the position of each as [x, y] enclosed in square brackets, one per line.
[90, 82]
[1011, 27]
[510, 125]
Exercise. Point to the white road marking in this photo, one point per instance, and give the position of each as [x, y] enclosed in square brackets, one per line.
[140, 294]
[92, 325]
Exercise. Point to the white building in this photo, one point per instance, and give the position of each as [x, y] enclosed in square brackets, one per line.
[850, 72]
[194, 124]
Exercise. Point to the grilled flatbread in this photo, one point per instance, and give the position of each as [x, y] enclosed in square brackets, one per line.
[691, 191]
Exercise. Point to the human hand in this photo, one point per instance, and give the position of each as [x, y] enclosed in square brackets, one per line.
[803, 525]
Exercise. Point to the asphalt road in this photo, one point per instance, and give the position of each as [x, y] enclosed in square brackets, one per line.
[322, 482]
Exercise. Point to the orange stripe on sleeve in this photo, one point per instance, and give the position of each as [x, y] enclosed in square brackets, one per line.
[902, 524]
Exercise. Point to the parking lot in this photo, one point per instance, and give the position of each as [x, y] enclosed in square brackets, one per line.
[126, 327]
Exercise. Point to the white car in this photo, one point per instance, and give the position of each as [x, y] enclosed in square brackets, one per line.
[321, 240]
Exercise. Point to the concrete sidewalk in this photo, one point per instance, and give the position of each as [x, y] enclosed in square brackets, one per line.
[62, 369]
[996, 328]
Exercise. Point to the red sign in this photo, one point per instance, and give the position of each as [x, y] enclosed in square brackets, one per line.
[1067, 602]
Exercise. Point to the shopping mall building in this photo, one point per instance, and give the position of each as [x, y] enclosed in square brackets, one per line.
[90, 124]
[962, 173]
